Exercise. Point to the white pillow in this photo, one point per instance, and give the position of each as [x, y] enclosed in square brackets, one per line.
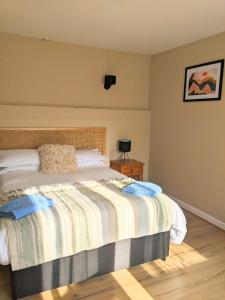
[91, 158]
[19, 157]
[28, 159]
[33, 168]
[93, 163]
[87, 155]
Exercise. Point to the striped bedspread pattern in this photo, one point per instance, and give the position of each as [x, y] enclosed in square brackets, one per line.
[87, 215]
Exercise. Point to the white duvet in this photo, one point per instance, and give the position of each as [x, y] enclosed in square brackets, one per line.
[24, 179]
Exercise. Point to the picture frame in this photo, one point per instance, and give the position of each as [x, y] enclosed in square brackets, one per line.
[203, 82]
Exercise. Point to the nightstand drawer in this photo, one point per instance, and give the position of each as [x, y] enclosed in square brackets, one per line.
[126, 170]
[131, 168]
[135, 170]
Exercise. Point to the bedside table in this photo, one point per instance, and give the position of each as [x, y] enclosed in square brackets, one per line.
[131, 168]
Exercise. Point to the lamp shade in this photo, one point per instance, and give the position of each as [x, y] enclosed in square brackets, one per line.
[124, 145]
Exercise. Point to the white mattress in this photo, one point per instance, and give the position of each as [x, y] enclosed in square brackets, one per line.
[24, 179]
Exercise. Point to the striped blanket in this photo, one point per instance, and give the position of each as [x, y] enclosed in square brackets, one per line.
[87, 215]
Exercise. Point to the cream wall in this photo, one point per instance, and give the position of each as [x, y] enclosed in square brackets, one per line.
[188, 139]
[119, 124]
[36, 72]
[43, 84]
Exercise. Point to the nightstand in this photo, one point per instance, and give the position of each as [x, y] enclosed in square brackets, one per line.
[131, 168]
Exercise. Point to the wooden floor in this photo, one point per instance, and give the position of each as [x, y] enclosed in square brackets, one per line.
[194, 270]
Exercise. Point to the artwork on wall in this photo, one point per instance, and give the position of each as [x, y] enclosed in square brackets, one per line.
[204, 82]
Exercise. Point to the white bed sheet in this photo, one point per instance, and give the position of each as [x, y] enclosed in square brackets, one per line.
[24, 179]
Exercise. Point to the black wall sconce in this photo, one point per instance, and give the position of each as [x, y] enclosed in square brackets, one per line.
[109, 80]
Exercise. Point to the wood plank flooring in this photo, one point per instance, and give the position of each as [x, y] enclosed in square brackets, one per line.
[194, 270]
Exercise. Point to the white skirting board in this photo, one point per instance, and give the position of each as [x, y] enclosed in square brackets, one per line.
[200, 213]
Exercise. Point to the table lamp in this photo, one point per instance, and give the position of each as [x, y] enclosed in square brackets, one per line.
[124, 147]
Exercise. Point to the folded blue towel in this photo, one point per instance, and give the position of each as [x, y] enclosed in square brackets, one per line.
[140, 188]
[23, 206]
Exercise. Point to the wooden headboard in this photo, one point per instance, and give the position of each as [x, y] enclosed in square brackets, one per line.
[32, 138]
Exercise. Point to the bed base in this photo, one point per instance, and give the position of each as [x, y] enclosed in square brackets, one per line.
[88, 264]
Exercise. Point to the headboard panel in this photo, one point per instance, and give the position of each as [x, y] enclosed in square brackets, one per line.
[31, 138]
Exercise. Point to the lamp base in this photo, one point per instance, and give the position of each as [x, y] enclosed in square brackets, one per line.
[124, 156]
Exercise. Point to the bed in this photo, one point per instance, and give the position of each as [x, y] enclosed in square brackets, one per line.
[108, 257]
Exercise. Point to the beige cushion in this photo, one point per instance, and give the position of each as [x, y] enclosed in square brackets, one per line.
[57, 159]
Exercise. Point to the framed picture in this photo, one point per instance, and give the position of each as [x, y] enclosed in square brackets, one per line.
[204, 82]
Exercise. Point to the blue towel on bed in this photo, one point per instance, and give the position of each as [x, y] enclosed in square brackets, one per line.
[23, 206]
[140, 188]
